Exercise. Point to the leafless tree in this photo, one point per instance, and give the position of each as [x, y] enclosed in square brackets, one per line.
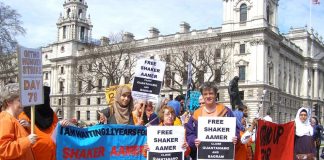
[207, 61]
[10, 27]
[111, 61]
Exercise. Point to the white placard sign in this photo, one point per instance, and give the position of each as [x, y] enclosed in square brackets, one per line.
[30, 76]
[216, 135]
[148, 79]
[166, 142]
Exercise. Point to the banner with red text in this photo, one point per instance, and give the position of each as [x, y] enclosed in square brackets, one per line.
[274, 141]
[101, 142]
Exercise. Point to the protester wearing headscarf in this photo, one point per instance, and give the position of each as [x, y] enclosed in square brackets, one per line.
[304, 146]
[120, 112]
[45, 123]
[15, 142]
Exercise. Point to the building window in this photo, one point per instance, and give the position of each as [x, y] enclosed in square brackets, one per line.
[46, 76]
[268, 14]
[89, 86]
[90, 67]
[62, 70]
[59, 101]
[185, 77]
[241, 93]
[185, 56]
[80, 13]
[80, 86]
[201, 54]
[78, 115]
[80, 69]
[98, 115]
[127, 63]
[152, 57]
[270, 75]
[168, 58]
[61, 86]
[269, 51]
[99, 84]
[68, 12]
[46, 56]
[218, 75]
[62, 49]
[217, 53]
[167, 77]
[82, 33]
[127, 79]
[64, 32]
[173, 78]
[242, 48]
[242, 72]
[79, 101]
[200, 76]
[100, 66]
[243, 13]
[98, 100]
[88, 115]
[88, 101]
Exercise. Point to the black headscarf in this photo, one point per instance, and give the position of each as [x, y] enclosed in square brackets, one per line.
[43, 112]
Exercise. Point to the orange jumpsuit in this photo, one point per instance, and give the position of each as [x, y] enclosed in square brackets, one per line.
[14, 143]
[44, 148]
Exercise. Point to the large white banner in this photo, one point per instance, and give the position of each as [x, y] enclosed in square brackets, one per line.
[30, 76]
[148, 79]
[216, 134]
[166, 142]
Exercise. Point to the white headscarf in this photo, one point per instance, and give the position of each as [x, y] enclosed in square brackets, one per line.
[303, 129]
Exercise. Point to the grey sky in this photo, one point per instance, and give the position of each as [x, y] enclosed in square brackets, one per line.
[137, 16]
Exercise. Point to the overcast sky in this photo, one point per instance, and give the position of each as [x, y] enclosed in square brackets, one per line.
[137, 16]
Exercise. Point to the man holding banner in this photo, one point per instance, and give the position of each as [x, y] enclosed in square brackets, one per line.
[210, 109]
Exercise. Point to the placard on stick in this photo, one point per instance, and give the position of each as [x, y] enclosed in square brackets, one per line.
[216, 135]
[148, 79]
[30, 76]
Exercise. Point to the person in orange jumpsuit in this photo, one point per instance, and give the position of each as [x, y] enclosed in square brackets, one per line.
[46, 121]
[15, 142]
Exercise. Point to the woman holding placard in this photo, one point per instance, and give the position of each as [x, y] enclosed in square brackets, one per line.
[15, 143]
[209, 109]
[120, 112]
[167, 116]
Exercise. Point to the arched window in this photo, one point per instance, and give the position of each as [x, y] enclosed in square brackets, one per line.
[80, 13]
[243, 12]
[68, 11]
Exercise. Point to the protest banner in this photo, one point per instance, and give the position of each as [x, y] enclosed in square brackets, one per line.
[194, 100]
[165, 142]
[216, 135]
[274, 141]
[148, 79]
[111, 92]
[30, 76]
[101, 142]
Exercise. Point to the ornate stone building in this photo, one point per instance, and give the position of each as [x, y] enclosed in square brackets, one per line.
[277, 71]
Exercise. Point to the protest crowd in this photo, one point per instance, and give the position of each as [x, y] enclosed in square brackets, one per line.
[17, 141]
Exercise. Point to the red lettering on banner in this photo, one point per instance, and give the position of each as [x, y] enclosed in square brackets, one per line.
[83, 153]
[276, 141]
[127, 151]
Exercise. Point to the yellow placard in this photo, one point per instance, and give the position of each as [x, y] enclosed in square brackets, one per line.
[111, 92]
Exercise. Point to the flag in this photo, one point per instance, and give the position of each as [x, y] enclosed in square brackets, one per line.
[316, 1]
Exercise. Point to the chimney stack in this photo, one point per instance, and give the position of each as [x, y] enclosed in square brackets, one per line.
[184, 27]
[127, 37]
[154, 32]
